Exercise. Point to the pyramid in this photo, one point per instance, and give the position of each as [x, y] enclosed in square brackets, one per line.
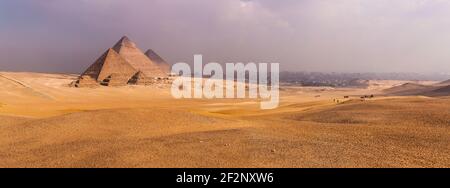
[139, 79]
[121, 65]
[162, 64]
[128, 50]
[84, 81]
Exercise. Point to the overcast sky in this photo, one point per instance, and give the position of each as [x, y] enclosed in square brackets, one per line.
[301, 35]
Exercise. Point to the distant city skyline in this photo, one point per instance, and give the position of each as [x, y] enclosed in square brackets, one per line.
[302, 35]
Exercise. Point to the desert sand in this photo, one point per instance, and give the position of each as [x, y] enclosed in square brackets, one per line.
[46, 123]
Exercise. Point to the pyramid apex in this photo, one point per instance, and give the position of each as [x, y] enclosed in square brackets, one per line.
[162, 64]
[124, 41]
[124, 38]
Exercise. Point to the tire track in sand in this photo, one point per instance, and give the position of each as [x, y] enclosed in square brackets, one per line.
[29, 88]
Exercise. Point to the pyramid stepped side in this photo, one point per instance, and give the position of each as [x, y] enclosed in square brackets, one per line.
[128, 50]
[140, 79]
[85, 81]
[162, 64]
[116, 79]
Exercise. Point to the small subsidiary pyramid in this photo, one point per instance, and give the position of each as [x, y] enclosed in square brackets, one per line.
[162, 64]
[139, 79]
[129, 51]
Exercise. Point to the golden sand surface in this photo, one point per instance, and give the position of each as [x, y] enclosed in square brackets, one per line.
[46, 123]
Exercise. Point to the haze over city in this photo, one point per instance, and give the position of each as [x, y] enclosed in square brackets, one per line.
[306, 35]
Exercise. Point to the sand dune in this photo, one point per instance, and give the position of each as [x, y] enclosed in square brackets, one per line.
[441, 91]
[12, 120]
[444, 83]
[340, 136]
[33, 142]
[136, 126]
[410, 89]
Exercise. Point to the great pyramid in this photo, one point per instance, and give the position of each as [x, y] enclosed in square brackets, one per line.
[136, 58]
[162, 64]
[121, 65]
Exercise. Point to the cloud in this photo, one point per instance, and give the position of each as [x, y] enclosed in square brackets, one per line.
[316, 35]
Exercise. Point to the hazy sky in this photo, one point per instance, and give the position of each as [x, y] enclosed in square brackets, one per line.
[301, 35]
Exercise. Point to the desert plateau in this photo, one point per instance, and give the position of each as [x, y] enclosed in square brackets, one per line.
[47, 123]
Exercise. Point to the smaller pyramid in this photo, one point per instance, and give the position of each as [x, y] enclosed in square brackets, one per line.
[84, 81]
[162, 64]
[140, 79]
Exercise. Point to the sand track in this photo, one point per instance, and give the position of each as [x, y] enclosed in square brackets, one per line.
[9, 84]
